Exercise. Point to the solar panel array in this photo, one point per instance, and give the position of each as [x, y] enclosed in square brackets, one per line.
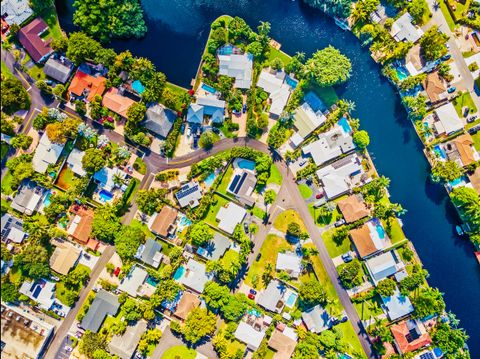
[428, 355]
[238, 182]
[186, 191]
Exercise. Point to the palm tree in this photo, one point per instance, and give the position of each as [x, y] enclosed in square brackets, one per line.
[117, 180]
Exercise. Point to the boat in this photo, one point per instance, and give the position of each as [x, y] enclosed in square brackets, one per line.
[341, 23]
[477, 254]
[460, 231]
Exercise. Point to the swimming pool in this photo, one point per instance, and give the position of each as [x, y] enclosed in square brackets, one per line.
[209, 88]
[456, 182]
[291, 82]
[345, 125]
[179, 273]
[138, 87]
[46, 201]
[210, 179]
[183, 223]
[152, 281]
[291, 299]
[380, 231]
[246, 164]
[402, 73]
[440, 152]
[226, 50]
[105, 196]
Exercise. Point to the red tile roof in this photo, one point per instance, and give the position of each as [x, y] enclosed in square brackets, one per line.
[401, 333]
[29, 37]
[91, 85]
[116, 102]
[81, 227]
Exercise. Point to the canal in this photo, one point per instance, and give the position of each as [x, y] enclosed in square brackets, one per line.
[177, 31]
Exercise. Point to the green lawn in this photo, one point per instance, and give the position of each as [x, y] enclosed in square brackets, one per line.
[178, 92]
[305, 190]
[274, 53]
[211, 217]
[394, 231]
[335, 249]
[36, 72]
[271, 247]
[322, 221]
[465, 99]
[7, 184]
[65, 178]
[275, 176]
[229, 257]
[369, 308]
[283, 219]
[259, 213]
[476, 140]
[349, 336]
[4, 150]
[327, 95]
[140, 166]
[50, 17]
[178, 352]
[447, 15]
[6, 71]
[222, 187]
[136, 223]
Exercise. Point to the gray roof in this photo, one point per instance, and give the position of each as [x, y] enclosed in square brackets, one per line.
[104, 304]
[124, 345]
[215, 248]
[189, 195]
[149, 252]
[133, 281]
[17, 11]
[12, 227]
[159, 120]
[28, 197]
[58, 70]
[317, 319]
[271, 297]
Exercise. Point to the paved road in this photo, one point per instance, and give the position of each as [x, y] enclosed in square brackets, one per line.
[63, 329]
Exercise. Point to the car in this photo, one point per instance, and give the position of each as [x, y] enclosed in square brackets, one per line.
[319, 195]
[244, 108]
[471, 119]
[446, 57]
[344, 319]
[339, 222]
[253, 291]
[56, 279]
[116, 271]
[259, 255]
[245, 227]
[346, 257]
[451, 89]
[301, 164]
[251, 296]
[189, 132]
[49, 82]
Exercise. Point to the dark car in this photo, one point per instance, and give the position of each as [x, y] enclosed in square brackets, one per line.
[244, 108]
[253, 291]
[347, 257]
[446, 57]
[471, 119]
[245, 228]
[215, 130]
[259, 255]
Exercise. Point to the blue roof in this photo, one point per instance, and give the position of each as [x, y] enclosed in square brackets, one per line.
[138, 87]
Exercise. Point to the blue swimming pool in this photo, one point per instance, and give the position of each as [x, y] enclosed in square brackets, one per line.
[46, 201]
[138, 87]
[152, 281]
[343, 122]
[210, 179]
[402, 73]
[291, 82]
[226, 50]
[380, 231]
[246, 164]
[440, 152]
[315, 102]
[105, 196]
[179, 273]
[456, 181]
[184, 222]
[292, 298]
[209, 88]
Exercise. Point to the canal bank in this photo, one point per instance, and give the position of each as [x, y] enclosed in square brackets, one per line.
[177, 34]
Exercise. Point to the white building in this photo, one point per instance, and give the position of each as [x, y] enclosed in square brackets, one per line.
[404, 30]
[448, 120]
[230, 216]
[74, 162]
[16, 11]
[47, 153]
[250, 335]
[132, 283]
[290, 263]
[238, 66]
[279, 90]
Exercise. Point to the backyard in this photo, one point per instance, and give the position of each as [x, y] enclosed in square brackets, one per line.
[394, 230]
[65, 178]
[211, 217]
[275, 176]
[222, 187]
[335, 249]
[465, 99]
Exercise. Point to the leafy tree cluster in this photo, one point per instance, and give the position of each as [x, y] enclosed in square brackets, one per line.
[92, 343]
[351, 274]
[14, 95]
[411, 82]
[199, 324]
[106, 223]
[376, 189]
[93, 160]
[199, 233]
[416, 106]
[434, 44]
[328, 67]
[60, 132]
[127, 241]
[230, 306]
[413, 281]
[361, 139]
[386, 287]
[167, 290]
[427, 301]
[21, 141]
[312, 293]
[468, 203]
[150, 337]
[21, 168]
[208, 139]
[446, 171]
[450, 340]
[151, 201]
[33, 261]
[363, 9]
[171, 141]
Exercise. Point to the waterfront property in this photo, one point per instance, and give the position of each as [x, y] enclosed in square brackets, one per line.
[397, 306]
[353, 208]
[410, 335]
[308, 117]
[58, 69]
[274, 83]
[234, 64]
[159, 120]
[404, 30]
[446, 120]
[86, 86]
[370, 238]
[16, 11]
[206, 106]
[384, 265]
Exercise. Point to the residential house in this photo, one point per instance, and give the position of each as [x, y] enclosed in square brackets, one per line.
[12, 229]
[435, 88]
[404, 30]
[187, 303]
[30, 38]
[159, 120]
[108, 179]
[80, 226]
[474, 179]
[230, 216]
[242, 185]
[274, 83]
[132, 283]
[47, 153]
[447, 120]
[64, 257]
[308, 117]
[74, 162]
[29, 197]
[370, 238]
[41, 291]
[86, 86]
[397, 306]
[116, 102]
[192, 275]
[272, 297]
[251, 331]
[384, 265]
[214, 249]
[353, 208]
[24, 335]
[150, 253]
[212, 107]
[330, 145]
[414, 61]
[163, 223]
[236, 65]
[379, 15]
[104, 304]
[461, 150]
[16, 11]
[124, 345]
[283, 342]
[317, 319]
[341, 176]
[410, 335]
[58, 69]
[289, 262]
[189, 195]
[195, 114]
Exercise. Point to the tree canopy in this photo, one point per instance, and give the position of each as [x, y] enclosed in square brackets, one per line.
[93, 160]
[199, 233]
[328, 67]
[199, 324]
[361, 139]
[433, 44]
[312, 293]
[446, 171]
[14, 95]
[128, 240]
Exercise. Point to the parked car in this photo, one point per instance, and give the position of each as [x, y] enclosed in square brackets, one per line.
[244, 108]
[451, 89]
[301, 164]
[339, 222]
[251, 296]
[347, 257]
[253, 291]
[259, 255]
[319, 195]
[446, 57]
[471, 119]
[116, 272]
[189, 132]
[245, 227]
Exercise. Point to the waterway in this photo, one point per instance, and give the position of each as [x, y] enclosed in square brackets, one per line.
[177, 31]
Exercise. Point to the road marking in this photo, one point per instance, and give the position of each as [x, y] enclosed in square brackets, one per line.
[283, 209]
[25, 126]
[23, 77]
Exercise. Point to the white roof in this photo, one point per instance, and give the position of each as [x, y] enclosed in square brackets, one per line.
[296, 139]
[33, 202]
[248, 335]
[449, 119]
[194, 275]
[230, 216]
[17, 11]
[189, 195]
[210, 100]
[16, 235]
[279, 91]
[382, 266]
[289, 262]
[237, 66]
[75, 162]
[403, 29]
[41, 291]
[307, 120]
[397, 305]
[132, 282]
[46, 153]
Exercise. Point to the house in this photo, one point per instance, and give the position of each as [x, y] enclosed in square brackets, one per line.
[12, 229]
[132, 283]
[124, 345]
[108, 179]
[353, 208]
[434, 87]
[41, 291]
[195, 114]
[80, 226]
[159, 120]
[397, 306]
[447, 120]
[47, 153]
[16, 11]
[384, 265]
[74, 162]
[242, 185]
[150, 253]
[272, 297]
[309, 115]
[414, 61]
[283, 343]
[230, 216]
[279, 91]
[64, 257]
[116, 102]
[233, 64]
[30, 38]
[410, 335]
[192, 275]
[187, 303]
[251, 332]
[341, 176]
[403, 29]
[329, 145]
[461, 150]
[104, 304]
[214, 249]
[163, 223]
[317, 319]
[212, 107]
[474, 179]
[86, 86]
[289, 262]
[189, 195]
[24, 335]
[28, 198]
[370, 238]
[379, 15]
[58, 69]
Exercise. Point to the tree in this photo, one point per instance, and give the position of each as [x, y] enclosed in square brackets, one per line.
[33, 261]
[9, 292]
[255, 48]
[81, 47]
[451, 341]
[235, 307]
[41, 5]
[21, 141]
[167, 290]
[270, 196]
[216, 296]
[328, 67]
[77, 277]
[446, 171]
[416, 106]
[433, 44]
[312, 293]
[207, 139]
[417, 8]
[150, 337]
[467, 201]
[199, 324]
[294, 229]
[276, 64]
[351, 274]
[363, 9]
[91, 342]
[60, 44]
[199, 233]
[55, 133]
[150, 201]
[14, 95]
[386, 287]
[93, 160]
[361, 139]
[376, 189]
[427, 302]
[105, 223]
[58, 91]
[80, 107]
[128, 240]
[135, 115]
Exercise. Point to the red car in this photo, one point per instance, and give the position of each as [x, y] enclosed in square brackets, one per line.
[251, 296]
[116, 272]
